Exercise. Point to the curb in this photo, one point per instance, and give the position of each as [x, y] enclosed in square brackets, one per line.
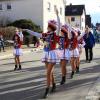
[24, 52]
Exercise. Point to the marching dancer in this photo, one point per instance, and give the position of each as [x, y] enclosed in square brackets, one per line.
[81, 44]
[64, 51]
[17, 50]
[50, 57]
[74, 49]
[74, 52]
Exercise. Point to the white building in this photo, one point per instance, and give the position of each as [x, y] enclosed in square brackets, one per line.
[75, 16]
[39, 11]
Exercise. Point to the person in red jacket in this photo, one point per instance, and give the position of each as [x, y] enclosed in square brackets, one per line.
[81, 44]
[64, 53]
[50, 58]
[74, 52]
[17, 50]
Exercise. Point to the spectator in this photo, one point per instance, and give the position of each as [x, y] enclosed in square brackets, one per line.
[2, 43]
[27, 41]
[89, 43]
[34, 40]
[37, 43]
[98, 34]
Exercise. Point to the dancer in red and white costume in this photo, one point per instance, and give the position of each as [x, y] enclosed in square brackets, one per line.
[81, 44]
[64, 54]
[74, 49]
[17, 49]
[74, 52]
[50, 57]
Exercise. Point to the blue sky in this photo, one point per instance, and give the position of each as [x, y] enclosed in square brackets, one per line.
[92, 8]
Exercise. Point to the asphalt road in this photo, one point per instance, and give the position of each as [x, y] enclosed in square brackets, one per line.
[29, 83]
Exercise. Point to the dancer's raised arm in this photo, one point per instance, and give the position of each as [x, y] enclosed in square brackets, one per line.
[58, 22]
[39, 35]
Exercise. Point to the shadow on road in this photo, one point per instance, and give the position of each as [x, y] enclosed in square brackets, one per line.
[32, 87]
[23, 62]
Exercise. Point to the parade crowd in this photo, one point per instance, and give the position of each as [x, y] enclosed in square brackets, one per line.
[62, 44]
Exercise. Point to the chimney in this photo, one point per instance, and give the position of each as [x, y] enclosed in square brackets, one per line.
[70, 4]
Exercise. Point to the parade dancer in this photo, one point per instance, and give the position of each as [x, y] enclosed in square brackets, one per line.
[50, 57]
[64, 51]
[81, 44]
[74, 52]
[17, 50]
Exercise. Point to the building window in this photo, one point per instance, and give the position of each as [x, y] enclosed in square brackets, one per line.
[82, 28]
[77, 25]
[72, 19]
[74, 10]
[1, 7]
[82, 20]
[55, 8]
[49, 6]
[8, 6]
[61, 11]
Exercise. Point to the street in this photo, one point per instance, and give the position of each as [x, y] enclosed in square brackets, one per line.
[30, 82]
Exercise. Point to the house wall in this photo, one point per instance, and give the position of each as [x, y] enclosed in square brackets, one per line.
[74, 23]
[50, 14]
[83, 21]
[36, 10]
[79, 21]
[24, 9]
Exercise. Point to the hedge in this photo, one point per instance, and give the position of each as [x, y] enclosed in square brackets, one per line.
[26, 24]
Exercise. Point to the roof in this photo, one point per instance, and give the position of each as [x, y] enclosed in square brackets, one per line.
[6, 0]
[74, 10]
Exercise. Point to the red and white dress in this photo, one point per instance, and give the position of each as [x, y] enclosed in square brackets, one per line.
[74, 52]
[17, 46]
[63, 51]
[81, 44]
[50, 42]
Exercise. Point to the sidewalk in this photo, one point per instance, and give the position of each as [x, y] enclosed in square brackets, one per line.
[9, 51]
[94, 93]
[84, 86]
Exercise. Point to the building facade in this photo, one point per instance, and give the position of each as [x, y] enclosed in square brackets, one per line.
[39, 11]
[75, 16]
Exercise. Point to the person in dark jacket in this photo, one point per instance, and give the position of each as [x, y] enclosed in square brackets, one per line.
[2, 43]
[89, 44]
